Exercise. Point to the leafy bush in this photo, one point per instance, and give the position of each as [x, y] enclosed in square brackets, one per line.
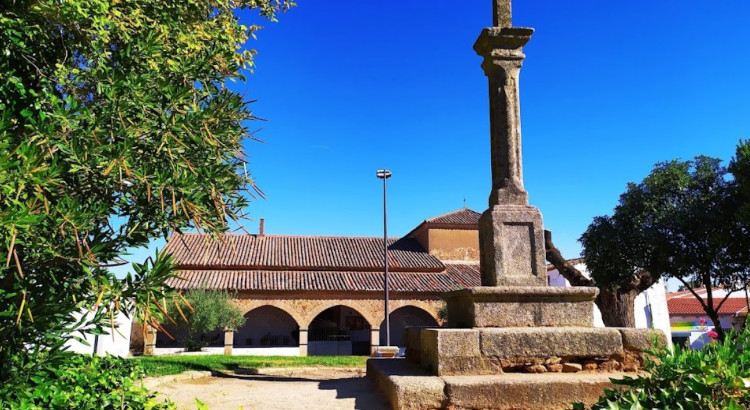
[210, 310]
[715, 377]
[117, 127]
[443, 312]
[75, 381]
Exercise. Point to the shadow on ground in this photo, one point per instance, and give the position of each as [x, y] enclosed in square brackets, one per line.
[314, 389]
[366, 396]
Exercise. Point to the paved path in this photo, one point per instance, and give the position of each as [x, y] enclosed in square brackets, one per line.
[285, 389]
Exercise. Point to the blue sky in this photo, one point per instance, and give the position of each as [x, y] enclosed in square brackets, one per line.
[607, 90]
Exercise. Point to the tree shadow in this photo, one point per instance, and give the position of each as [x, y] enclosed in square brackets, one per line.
[261, 377]
[347, 386]
[360, 388]
[366, 396]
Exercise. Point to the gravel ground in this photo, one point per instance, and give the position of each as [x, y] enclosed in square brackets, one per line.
[306, 388]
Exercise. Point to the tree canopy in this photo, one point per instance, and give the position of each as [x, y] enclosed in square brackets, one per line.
[116, 127]
[740, 169]
[210, 310]
[680, 222]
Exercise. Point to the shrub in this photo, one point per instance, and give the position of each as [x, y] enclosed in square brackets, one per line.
[75, 381]
[117, 127]
[715, 377]
[443, 312]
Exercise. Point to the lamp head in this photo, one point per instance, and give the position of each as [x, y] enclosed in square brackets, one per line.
[383, 174]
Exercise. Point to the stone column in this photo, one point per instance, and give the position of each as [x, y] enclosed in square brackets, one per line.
[511, 234]
[228, 342]
[303, 342]
[149, 342]
[374, 340]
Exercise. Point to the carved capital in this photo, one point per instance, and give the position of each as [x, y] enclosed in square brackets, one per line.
[494, 39]
[501, 69]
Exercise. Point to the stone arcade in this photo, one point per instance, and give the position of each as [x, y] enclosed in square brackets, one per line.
[513, 342]
[318, 295]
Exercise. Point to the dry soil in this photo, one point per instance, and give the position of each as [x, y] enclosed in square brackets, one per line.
[281, 389]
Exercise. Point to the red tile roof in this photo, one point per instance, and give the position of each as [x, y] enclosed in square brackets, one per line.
[463, 216]
[455, 277]
[718, 291]
[691, 306]
[311, 263]
[466, 274]
[276, 252]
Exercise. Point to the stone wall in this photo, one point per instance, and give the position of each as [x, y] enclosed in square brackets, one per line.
[454, 244]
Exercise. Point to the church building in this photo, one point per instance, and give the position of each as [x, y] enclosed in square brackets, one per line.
[322, 295]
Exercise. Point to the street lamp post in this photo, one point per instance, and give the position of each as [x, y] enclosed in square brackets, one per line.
[384, 174]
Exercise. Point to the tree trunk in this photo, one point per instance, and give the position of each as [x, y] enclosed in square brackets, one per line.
[714, 316]
[617, 307]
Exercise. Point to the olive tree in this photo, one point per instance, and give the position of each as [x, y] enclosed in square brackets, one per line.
[209, 310]
[740, 169]
[680, 222]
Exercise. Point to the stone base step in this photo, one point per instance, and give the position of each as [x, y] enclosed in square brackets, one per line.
[408, 387]
[454, 352]
[521, 306]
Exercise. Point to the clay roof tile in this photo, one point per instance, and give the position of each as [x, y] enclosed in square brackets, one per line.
[278, 252]
[463, 216]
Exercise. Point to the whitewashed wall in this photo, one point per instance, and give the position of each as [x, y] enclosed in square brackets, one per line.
[117, 343]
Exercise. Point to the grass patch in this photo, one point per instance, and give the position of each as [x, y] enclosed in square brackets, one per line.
[166, 365]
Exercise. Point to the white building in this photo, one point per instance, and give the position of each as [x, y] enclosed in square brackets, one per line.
[117, 343]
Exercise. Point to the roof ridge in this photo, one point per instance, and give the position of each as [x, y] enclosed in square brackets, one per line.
[246, 235]
[701, 291]
[450, 213]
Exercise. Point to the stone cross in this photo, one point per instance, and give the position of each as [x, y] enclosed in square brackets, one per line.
[511, 236]
[502, 49]
[501, 13]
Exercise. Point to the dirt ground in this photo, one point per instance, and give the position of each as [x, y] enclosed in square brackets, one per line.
[282, 389]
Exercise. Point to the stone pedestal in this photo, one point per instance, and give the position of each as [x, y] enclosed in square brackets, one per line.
[511, 246]
[518, 306]
[509, 367]
[511, 347]
[409, 387]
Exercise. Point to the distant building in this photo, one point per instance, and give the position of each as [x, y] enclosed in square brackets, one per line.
[689, 321]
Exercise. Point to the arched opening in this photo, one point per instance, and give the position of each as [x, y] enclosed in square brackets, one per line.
[180, 338]
[339, 330]
[402, 318]
[267, 327]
